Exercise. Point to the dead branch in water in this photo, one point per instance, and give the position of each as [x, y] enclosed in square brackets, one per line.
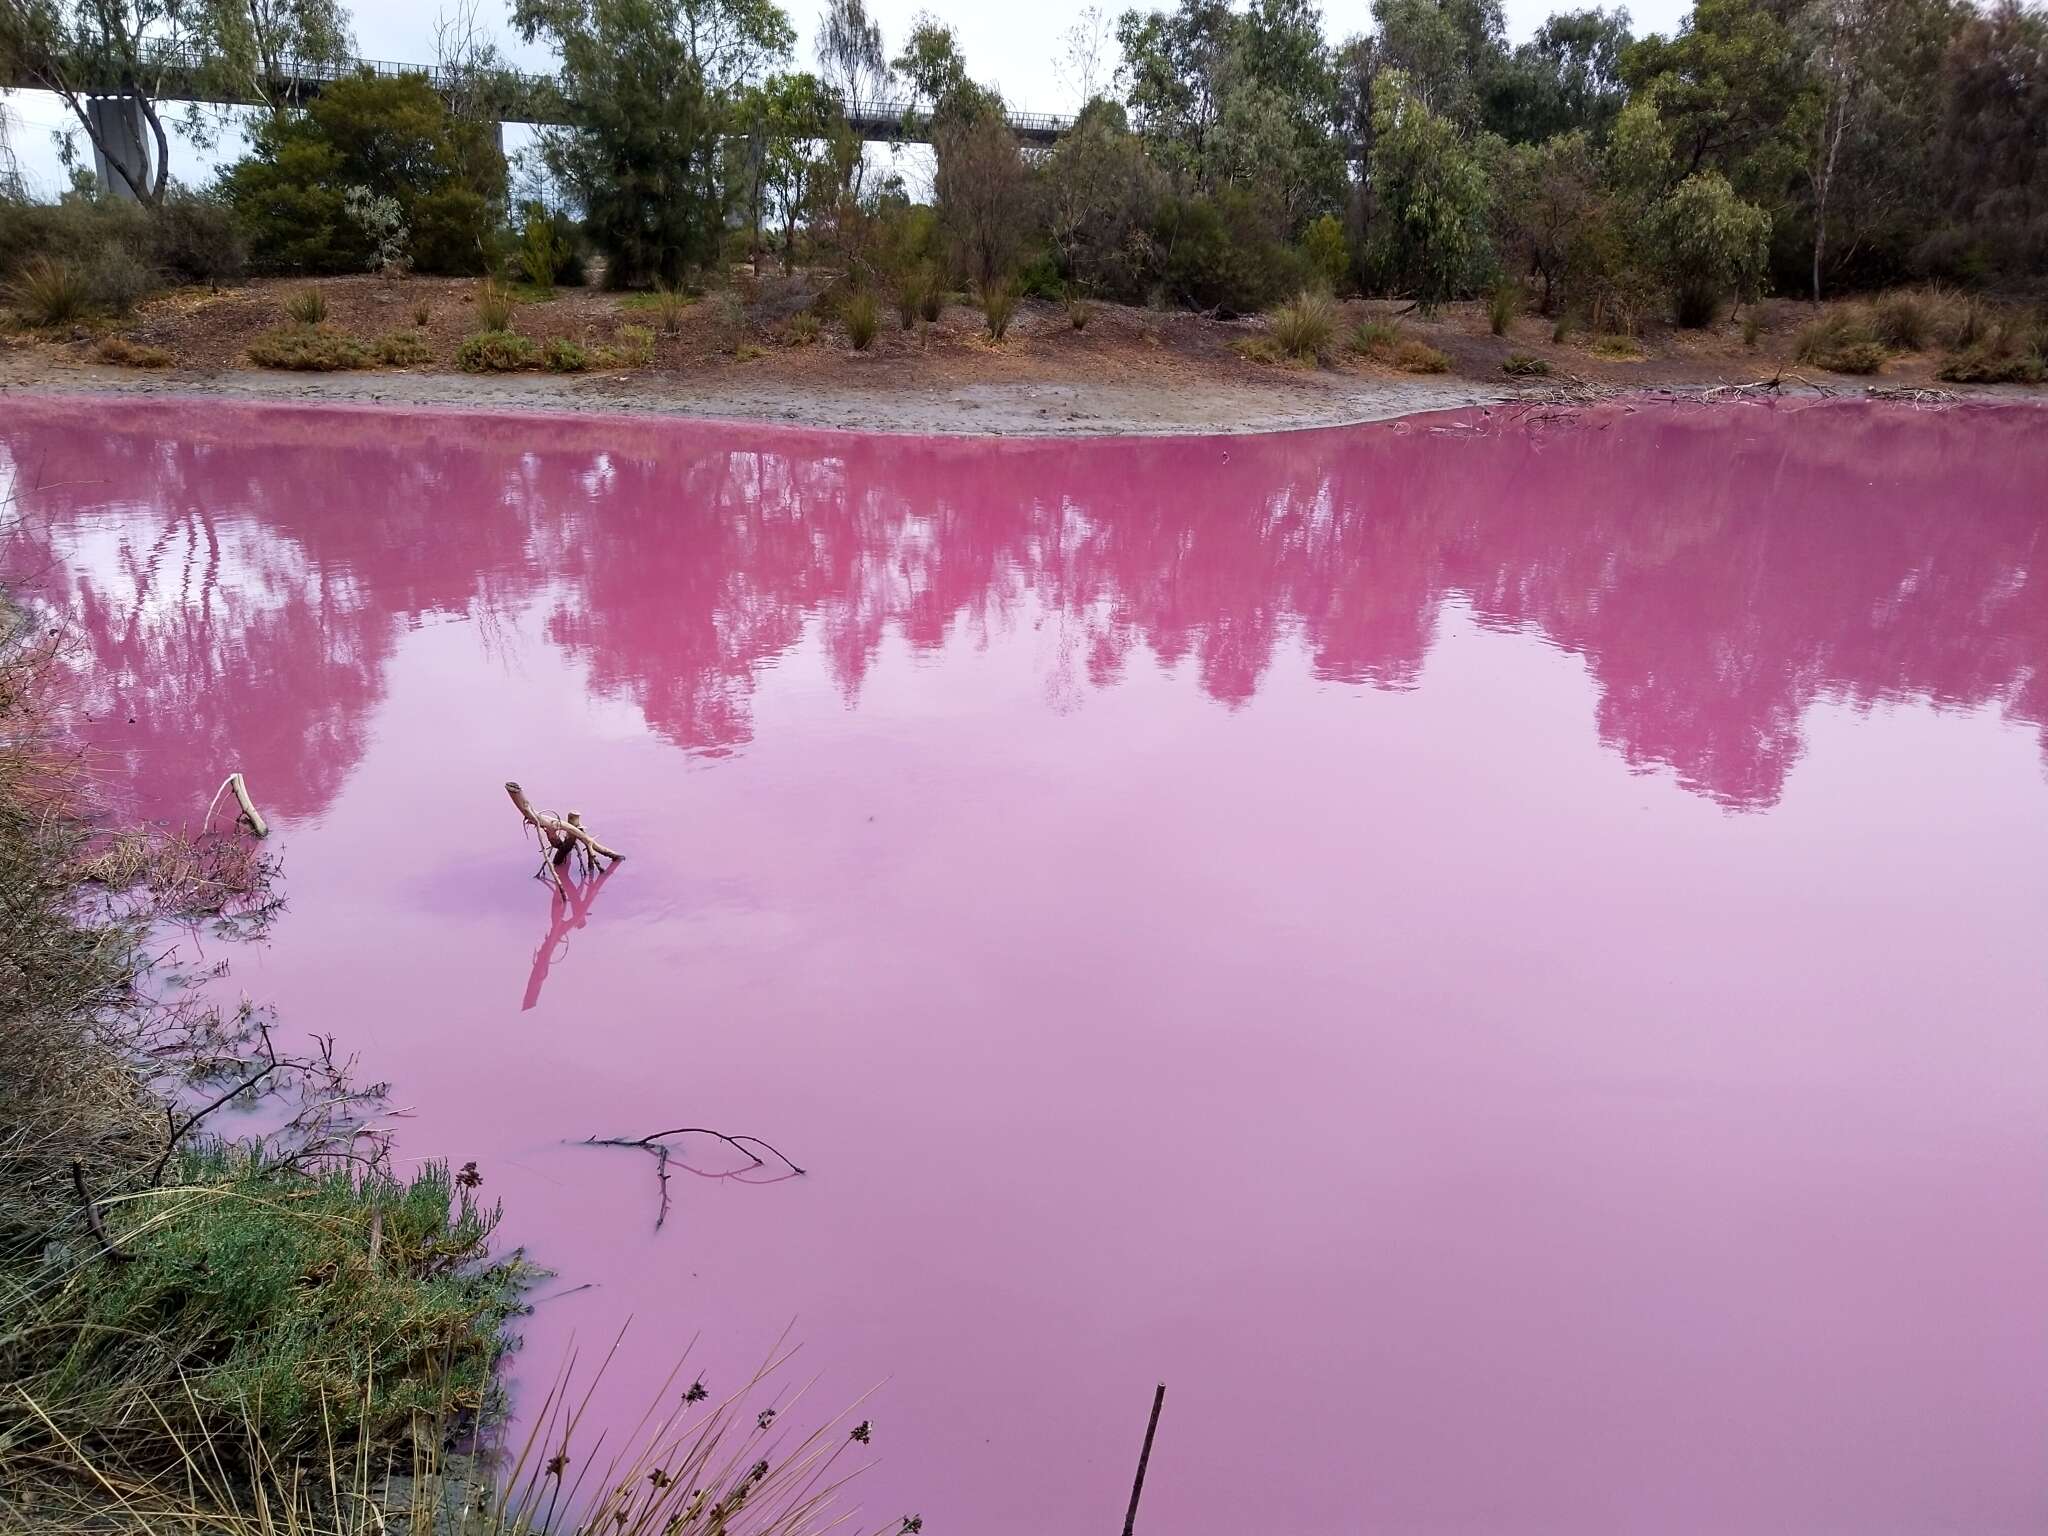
[250, 816]
[561, 837]
[176, 1130]
[656, 1145]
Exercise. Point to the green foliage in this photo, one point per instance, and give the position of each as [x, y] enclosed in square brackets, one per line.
[647, 85]
[1711, 244]
[1432, 198]
[911, 288]
[561, 355]
[998, 306]
[803, 329]
[1503, 303]
[981, 190]
[301, 1311]
[1100, 200]
[309, 349]
[1221, 253]
[123, 249]
[863, 317]
[306, 307]
[1989, 365]
[1305, 327]
[1522, 365]
[52, 292]
[377, 137]
[1327, 252]
[403, 349]
[635, 345]
[496, 352]
[1375, 339]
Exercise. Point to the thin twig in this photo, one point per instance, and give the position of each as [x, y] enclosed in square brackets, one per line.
[179, 1132]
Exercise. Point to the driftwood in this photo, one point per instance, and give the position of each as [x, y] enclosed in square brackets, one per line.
[561, 838]
[250, 816]
[656, 1145]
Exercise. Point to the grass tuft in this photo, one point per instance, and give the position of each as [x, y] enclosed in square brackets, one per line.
[123, 353]
[52, 291]
[1304, 327]
[1522, 365]
[863, 317]
[403, 349]
[1842, 341]
[496, 352]
[494, 306]
[998, 308]
[306, 307]
[1503, 303]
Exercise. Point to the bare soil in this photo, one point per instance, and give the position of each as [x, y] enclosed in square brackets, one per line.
[1128, 370]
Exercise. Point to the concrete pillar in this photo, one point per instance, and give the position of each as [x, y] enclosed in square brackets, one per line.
[120, 134]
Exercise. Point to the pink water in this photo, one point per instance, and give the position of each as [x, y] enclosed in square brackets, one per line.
[1503, 960]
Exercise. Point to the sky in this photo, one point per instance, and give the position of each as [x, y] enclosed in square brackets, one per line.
[1013, 47]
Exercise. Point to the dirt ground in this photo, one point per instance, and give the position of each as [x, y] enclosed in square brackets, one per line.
[1128, 370]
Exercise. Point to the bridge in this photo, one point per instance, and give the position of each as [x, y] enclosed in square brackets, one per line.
[185, 73]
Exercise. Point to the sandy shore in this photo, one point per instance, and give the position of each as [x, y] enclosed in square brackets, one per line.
[1004, 408]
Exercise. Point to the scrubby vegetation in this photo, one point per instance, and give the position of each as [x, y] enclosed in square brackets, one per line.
[497, 352]
[309, 349]
[1305, 328]
[863, 317]
[123, 353]
[1605, 181]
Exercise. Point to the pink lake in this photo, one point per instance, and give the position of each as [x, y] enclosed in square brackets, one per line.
[1505, 959]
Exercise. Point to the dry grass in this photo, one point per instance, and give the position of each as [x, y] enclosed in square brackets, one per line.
[123, 353]
[998, 308]
[309, 349]
[1842, 340]
[52, 291]
[306, 307]
[1305, 327]
[863, 317]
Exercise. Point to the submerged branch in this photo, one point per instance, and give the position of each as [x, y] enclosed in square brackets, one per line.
[655, 1145]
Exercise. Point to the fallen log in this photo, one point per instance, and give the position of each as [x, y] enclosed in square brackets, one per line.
[235, 784]
[561, 838]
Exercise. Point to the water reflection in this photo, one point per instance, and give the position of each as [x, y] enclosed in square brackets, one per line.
[243, 574]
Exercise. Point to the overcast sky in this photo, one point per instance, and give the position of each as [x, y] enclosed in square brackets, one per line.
[1015, 47]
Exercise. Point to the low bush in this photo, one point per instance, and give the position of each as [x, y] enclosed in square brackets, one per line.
[496, 352]
[52, 291]
[309, 349]
[1752, 327]
[1520, 365]
[1304, 327]
[634, 346]
[119, 279]
[123, 353]
[1503, 303]
[1994, 362]
[402, 349]
[422, 312]
[1623, 349]
[306, 307]
[931, 297]
[494, 306]
[863, 319]
[998, 307]
[1420, 357]
[564, 356]
[1375, 339]
[1902, 321]
[802, 329]
[1079, 312]
[1841, 341]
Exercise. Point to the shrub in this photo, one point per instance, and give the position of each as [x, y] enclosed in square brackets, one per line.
[123, 353]
[306, 307]
[119, 279]
[540, 253]
[1520, 365]
[496, 352]
[1752, 327]
[1902, 321]
[803, 329]
[1375, 339]
[635, 345]
[998, 305]
[1420, 357]
[863, 319]
[1709, 242]
[494, 306]
[402, 349]
[1621, 348]
[1841, 341]
[564, 356]
[195, 239]
[308, 349]
[1327, 252]
[52, 292]
[931, 297]
[1502, 305]
[1304, 327]
[1562, 331]
[909, 296]
[668, 305]
[1996, 361]
[422, 312]
[1079, 312]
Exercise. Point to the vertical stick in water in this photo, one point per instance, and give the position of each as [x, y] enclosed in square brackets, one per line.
[1138, 1483]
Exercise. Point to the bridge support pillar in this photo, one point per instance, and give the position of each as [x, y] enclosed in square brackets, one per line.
[120, 136]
